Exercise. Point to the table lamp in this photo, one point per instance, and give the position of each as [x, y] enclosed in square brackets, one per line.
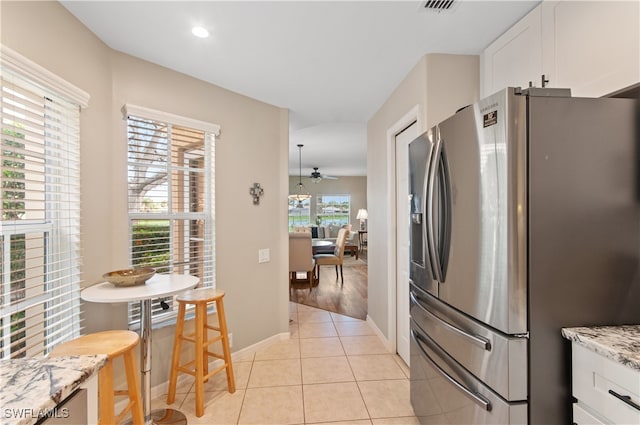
[362, 216]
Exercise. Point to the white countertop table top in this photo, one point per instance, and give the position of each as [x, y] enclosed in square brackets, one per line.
[160, 285]
[618, 343]
[31, 388]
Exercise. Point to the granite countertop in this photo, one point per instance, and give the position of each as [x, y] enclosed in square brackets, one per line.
[618, 343]
[30, 388]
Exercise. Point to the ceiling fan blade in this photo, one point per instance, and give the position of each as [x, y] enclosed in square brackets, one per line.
[316, 176]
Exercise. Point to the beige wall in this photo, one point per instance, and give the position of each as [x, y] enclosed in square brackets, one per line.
[253, 147]
[344, 185]
[435, 88]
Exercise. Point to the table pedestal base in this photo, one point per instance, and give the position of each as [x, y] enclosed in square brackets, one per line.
[167, 417]
[163, 417]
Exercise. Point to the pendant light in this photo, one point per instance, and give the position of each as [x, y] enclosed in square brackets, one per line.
[302, 194]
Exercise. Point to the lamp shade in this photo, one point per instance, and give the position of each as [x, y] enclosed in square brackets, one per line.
[362, 214]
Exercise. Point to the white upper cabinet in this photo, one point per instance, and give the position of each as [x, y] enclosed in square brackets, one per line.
[515, 58]
[591, 47]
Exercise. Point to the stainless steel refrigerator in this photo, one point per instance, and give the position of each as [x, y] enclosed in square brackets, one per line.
[525, 218]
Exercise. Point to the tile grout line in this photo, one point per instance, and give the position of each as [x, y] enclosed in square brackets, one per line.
[304, 414]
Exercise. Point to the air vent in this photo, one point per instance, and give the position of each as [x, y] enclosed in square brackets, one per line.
[438, 5]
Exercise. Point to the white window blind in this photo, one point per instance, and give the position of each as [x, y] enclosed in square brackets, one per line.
[171, 200]
[40, 220]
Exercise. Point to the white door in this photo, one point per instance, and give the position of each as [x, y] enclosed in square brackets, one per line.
[402, 239]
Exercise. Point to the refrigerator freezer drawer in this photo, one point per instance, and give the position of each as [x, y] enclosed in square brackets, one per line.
[498, 360]
[443, 391]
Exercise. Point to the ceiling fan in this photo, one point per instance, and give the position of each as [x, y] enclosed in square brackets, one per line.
[316, 176]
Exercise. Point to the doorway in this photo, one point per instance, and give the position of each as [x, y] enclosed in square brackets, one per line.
[402, 209]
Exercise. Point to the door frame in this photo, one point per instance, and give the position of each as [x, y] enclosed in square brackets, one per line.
[413, 115]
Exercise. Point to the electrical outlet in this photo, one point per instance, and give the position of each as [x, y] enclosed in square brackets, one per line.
[264, 255]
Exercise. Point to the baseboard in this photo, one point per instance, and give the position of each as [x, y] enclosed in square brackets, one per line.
[387, 344]
[162, 388]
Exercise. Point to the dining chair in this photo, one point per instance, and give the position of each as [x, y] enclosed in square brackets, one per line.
[301, 258]
[336, 258]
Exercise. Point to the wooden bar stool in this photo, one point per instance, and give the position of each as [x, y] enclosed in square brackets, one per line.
[199, 368]
[112, 343]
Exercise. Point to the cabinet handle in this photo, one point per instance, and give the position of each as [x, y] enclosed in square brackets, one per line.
[625, 399]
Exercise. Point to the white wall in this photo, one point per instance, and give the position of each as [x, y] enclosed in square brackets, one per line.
[437, 86]
[253, 147]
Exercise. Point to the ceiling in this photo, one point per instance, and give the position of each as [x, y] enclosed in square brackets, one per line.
[332, 64]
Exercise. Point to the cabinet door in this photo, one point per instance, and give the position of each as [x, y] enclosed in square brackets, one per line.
[515, 58]
[591, 47]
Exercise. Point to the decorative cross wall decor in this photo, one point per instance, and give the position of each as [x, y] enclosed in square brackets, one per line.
[256, 191]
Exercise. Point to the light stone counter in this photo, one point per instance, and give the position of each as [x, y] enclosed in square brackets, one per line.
[31, 388]
[618, 343]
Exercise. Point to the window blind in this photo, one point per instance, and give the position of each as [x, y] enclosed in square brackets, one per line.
[171, 202]
[40, 220]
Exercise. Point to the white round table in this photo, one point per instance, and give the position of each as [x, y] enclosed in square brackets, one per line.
[160, 285]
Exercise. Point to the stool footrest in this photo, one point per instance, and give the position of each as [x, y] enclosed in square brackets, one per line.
[213, 372]
[190, 366]
[216, 355]
[192, 338]
[124, 412]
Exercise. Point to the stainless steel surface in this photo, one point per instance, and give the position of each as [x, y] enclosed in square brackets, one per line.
[545, 227]
[159, 416]
[419, 267]
[472, 395]
[430, 207]
[145, 355]
[438, 208]
[163, 417]
[479, 341]
[584, 225]
[499, 360]
[167, 417]
[488, 247]
[458, 397]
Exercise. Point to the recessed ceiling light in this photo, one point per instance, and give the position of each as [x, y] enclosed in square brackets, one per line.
[200, 32]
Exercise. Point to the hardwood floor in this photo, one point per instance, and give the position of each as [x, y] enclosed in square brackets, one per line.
[349, 299]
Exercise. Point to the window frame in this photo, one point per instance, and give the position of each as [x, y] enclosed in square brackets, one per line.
[55, 268]
[323, 216]
[211, 131]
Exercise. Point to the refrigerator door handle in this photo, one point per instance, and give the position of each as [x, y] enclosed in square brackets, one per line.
[426, 236]
[434, 256]
[476, 398]
[481, 342]
[445, 182]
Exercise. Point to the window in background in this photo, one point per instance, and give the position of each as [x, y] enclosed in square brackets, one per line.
[171, 199]
[333, 209]
[299, 213]
[40, 220]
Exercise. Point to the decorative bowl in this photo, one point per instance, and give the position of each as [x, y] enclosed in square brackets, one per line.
[129, 277]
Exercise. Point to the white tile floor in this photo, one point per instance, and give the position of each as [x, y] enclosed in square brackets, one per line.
[334, 369]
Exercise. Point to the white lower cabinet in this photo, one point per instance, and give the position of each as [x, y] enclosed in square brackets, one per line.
[582, 416]
[607, 392]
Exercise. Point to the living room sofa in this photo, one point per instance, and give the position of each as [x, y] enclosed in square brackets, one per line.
[330, 233]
